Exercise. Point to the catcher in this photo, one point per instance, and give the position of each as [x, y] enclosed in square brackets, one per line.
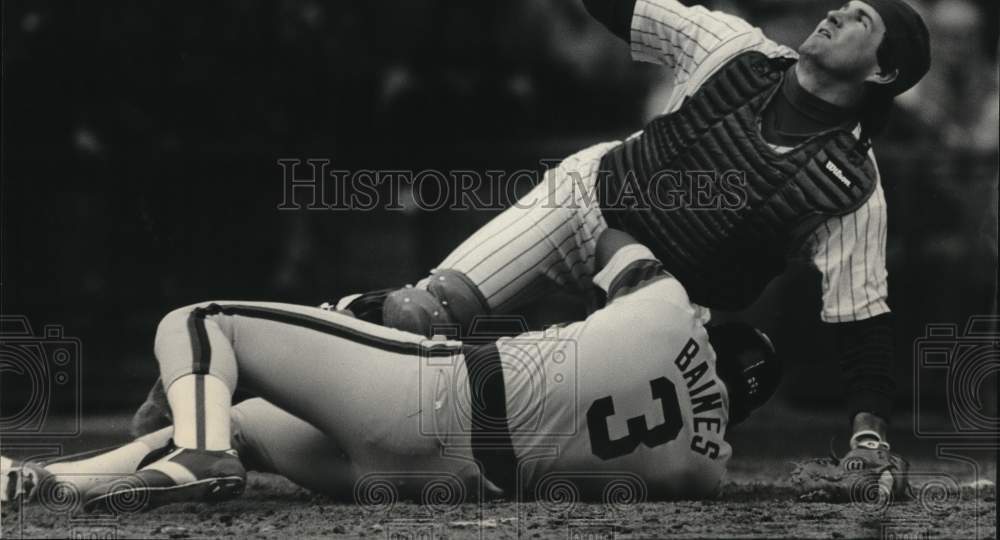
[347, 399]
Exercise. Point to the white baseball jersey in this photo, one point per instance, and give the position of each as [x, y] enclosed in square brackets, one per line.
[693, 43]
[548, 238]
[631, 391]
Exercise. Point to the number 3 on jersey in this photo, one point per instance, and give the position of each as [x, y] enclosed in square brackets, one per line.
[597, 423]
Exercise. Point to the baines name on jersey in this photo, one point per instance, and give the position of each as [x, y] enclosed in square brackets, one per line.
[705, 397]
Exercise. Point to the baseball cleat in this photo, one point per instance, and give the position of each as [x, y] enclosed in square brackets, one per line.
[20, 481]
[183, 475]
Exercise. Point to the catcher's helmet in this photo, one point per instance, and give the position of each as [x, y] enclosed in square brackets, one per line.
[746, 362]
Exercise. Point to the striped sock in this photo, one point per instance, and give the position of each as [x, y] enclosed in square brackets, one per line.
[200, 405]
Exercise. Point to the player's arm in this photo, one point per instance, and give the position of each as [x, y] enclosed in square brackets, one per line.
[678, 37]
[625, 264]
[849, 251]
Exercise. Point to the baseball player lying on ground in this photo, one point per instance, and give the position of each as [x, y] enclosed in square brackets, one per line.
[762, 155]
[341, 398]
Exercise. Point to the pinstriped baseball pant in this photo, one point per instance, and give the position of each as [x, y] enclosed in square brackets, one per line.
[548, 239]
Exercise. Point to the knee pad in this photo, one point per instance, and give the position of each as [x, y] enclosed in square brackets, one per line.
[450, 299]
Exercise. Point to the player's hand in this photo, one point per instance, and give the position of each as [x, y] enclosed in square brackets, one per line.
[868, 474]
[327, 306]
[366, 306]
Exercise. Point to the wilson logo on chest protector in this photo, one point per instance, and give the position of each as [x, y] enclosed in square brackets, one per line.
[838, 173]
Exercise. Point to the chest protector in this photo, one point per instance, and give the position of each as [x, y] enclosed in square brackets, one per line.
[717, 205]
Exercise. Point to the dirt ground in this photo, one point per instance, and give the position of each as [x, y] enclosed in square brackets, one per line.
[272, 507]
[759, 501]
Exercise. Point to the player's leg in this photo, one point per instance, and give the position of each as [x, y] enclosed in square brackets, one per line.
[68, 478]
[546, 240]
[357, 382]
[88, 472]
[360, 384]
[273, 440]
[198, 369]
[268, 440]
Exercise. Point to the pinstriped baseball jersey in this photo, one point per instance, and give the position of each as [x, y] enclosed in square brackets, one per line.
[693, 43]
[548, 238]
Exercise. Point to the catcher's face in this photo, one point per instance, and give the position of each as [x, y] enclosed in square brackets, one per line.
[846, 42]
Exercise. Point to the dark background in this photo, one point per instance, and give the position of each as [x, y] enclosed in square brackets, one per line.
[141, 140]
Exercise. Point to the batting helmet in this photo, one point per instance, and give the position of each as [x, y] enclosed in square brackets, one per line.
[746, 362]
